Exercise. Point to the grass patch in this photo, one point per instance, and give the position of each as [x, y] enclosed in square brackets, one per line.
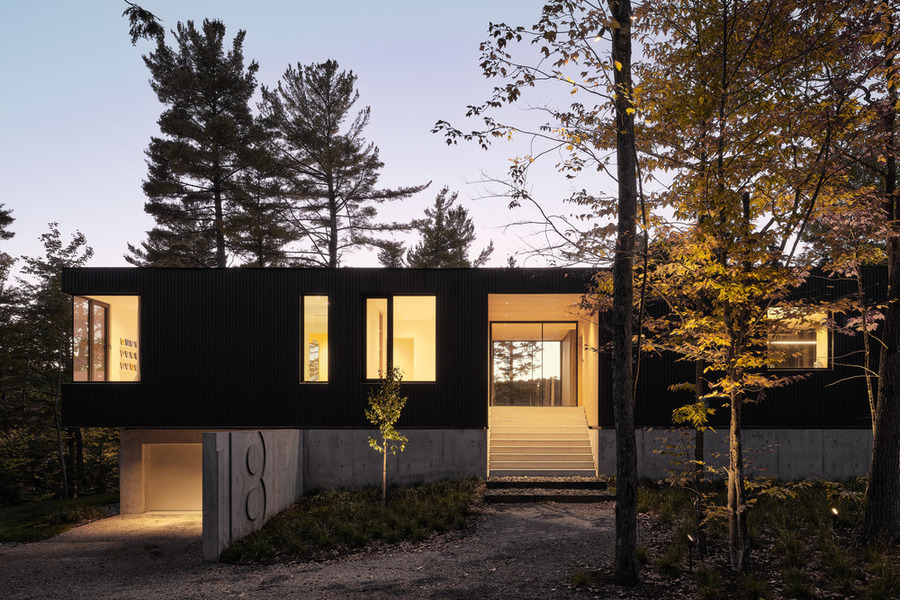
[344, 520]
[36, 521]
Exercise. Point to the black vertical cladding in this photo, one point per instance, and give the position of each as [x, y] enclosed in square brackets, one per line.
[221, 348]
[827, 398]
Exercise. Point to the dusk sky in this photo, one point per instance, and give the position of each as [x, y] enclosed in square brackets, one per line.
[78, 112]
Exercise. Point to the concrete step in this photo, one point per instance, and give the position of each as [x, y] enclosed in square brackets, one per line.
[586, 483]
[523, 456]
[539, 435]
[572, 442]
[542, 472]
[528, 498]
[543, 467]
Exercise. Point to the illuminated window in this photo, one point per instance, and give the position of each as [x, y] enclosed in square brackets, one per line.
[534, 364]
[105, 341]
[409, 324]
[314, 333]
[802, 343]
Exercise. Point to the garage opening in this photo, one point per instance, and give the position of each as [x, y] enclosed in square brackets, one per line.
[174, 476]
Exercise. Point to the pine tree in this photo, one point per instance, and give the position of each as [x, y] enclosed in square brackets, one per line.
[329, 168]
[195, 169]
[447, 235]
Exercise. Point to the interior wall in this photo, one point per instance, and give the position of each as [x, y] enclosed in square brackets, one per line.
[124, 357]
[589, 374]
[174, 476]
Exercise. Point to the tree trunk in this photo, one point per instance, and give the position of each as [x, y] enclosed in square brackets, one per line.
[882, 519]
[384, 475]
[738, 546]
[59, 442]
[699, 463]
[220, 222]
[623, 299]
[867, 348]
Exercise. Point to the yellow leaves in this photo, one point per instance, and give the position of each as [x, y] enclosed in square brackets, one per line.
[630, 111]
[618, 65]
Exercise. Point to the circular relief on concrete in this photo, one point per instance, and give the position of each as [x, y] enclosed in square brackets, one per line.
[255, 459]
[256, 503]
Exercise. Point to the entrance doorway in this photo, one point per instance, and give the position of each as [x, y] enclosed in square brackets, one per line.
[534, 364]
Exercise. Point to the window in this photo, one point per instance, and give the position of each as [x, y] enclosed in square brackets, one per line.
[105, 341]
[400, 331]
[314, 333]
[534, 364]
[89, 340]
[801, 342]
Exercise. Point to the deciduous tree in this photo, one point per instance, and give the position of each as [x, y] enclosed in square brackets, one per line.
[385, 406]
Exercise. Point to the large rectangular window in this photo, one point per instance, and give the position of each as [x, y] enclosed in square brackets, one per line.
[801, 343]
[105, 340]
[401, 332]
[534, 364]
[314, 324]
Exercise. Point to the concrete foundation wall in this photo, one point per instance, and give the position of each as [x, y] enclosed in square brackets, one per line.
[343, 458]
[248, 477]
[783, 453]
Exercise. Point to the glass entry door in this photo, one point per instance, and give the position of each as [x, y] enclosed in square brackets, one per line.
[533, 364]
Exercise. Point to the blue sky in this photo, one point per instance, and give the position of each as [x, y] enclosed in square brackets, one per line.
[77, 111]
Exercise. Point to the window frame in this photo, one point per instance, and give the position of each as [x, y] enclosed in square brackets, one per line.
[389, 336]
[90, 330]
[302, 361]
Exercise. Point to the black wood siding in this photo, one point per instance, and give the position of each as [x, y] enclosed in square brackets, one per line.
[221, 348]
[833, 398]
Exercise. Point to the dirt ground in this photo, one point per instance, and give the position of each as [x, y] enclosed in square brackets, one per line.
[509, 551]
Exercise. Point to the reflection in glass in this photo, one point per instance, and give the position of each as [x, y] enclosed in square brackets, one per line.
[376, 337]
[98, 342]
[315, 338]
[80, 339]
[414, 337]
[533, 364]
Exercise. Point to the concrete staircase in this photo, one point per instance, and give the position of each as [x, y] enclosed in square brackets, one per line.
[539, 440]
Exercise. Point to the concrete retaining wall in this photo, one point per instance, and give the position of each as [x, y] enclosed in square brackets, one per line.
[343, 458]
[783, 453]
[248, 477]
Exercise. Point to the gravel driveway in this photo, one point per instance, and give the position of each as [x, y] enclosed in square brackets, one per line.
[510, 551]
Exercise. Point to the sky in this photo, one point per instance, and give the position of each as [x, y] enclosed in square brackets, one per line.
[77, 112]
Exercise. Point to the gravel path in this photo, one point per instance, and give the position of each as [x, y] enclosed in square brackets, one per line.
[510, 551]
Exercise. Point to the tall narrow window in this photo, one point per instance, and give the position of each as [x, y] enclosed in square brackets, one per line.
[376, 337]
[315, 338]
[401, 332]
[90, 340]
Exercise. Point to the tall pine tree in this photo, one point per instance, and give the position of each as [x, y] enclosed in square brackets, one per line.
[330, 170]
[447, 235]
[194, 183]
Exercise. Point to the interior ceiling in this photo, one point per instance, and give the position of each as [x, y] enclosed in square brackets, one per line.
[118, 301]
[534, 307]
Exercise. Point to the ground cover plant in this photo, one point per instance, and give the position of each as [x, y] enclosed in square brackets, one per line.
[804, 538]
[334, 522]
[34, 521]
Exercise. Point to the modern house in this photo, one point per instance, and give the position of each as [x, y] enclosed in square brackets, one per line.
[501, 368]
